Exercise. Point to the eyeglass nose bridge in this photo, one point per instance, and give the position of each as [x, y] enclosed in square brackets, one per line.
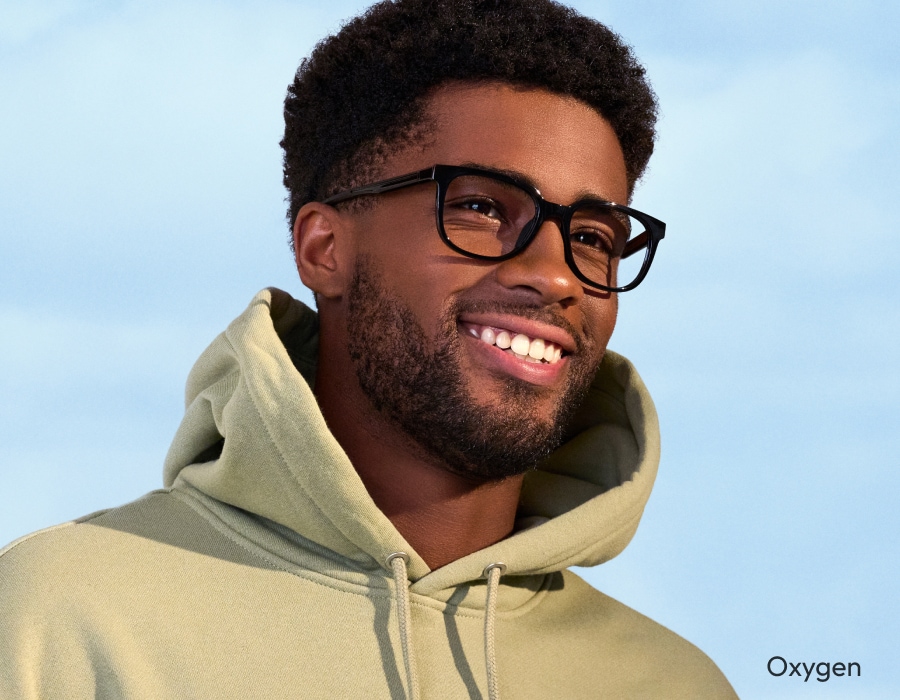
[547, 211]
[562, 215]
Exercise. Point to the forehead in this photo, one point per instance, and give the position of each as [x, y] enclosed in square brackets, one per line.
[562, 145]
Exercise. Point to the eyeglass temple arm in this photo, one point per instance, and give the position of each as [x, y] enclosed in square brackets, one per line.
[642, 240]
[636, 244]
[393, 183]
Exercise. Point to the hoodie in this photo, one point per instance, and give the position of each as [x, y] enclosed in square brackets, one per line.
[263, 569]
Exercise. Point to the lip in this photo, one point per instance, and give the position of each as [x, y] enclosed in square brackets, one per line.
[498, 361]
[517, 324]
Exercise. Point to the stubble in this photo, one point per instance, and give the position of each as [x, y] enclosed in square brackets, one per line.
[419, 385]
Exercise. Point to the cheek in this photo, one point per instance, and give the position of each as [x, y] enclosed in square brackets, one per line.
[600, 320]
[406, 248]
[422, 283]
[419, 269]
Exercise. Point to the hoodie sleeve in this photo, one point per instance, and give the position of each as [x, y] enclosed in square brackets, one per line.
[44, 646]
[61, 629]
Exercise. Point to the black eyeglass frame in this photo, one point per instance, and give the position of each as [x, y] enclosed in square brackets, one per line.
[654, 229]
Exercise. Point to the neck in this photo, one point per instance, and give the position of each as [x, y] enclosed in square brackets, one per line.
[444, 516]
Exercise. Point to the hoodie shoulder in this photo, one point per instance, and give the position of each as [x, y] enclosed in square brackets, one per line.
[110, 546]
[73, 596]
[651, 660]
[74, 571]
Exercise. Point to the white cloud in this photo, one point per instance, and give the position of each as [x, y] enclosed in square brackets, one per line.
[21, 22]
[775, 158]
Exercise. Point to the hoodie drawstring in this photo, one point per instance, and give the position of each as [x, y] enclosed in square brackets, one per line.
[398, 561]
[492, 573]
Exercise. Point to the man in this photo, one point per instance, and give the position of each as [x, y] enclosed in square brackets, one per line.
[352, 507]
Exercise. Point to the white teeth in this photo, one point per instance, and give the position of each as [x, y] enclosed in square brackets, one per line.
[536, 349]
[520, 344]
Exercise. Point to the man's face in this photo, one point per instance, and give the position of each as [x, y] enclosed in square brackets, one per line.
[426, 325]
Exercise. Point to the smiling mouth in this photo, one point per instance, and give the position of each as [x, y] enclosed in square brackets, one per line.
[519, 345]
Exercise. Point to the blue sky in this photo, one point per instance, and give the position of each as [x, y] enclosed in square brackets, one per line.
[141, 207]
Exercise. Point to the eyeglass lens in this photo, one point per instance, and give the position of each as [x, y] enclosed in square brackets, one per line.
[484, 216]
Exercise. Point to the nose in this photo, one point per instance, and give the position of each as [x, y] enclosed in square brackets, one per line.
[542, 269]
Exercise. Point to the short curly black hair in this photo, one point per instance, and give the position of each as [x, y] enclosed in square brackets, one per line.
[364, 89]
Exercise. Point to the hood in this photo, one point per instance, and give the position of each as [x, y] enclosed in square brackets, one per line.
[253, 437]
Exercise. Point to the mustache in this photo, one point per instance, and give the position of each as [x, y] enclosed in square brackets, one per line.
[583, 339]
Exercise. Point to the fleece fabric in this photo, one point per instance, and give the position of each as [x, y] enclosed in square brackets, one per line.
[260, 570]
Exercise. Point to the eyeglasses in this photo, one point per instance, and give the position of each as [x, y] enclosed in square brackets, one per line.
[488, 215]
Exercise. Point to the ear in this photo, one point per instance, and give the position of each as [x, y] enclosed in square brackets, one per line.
[321, 247]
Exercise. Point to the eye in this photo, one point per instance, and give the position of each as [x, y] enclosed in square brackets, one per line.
[594, 239]
[484, 206]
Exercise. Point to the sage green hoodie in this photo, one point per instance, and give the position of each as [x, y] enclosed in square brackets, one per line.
[261, 569]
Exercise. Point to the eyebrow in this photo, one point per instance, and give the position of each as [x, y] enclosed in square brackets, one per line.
[523, 178]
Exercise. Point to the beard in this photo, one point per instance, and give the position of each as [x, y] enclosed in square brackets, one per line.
[419, 385]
